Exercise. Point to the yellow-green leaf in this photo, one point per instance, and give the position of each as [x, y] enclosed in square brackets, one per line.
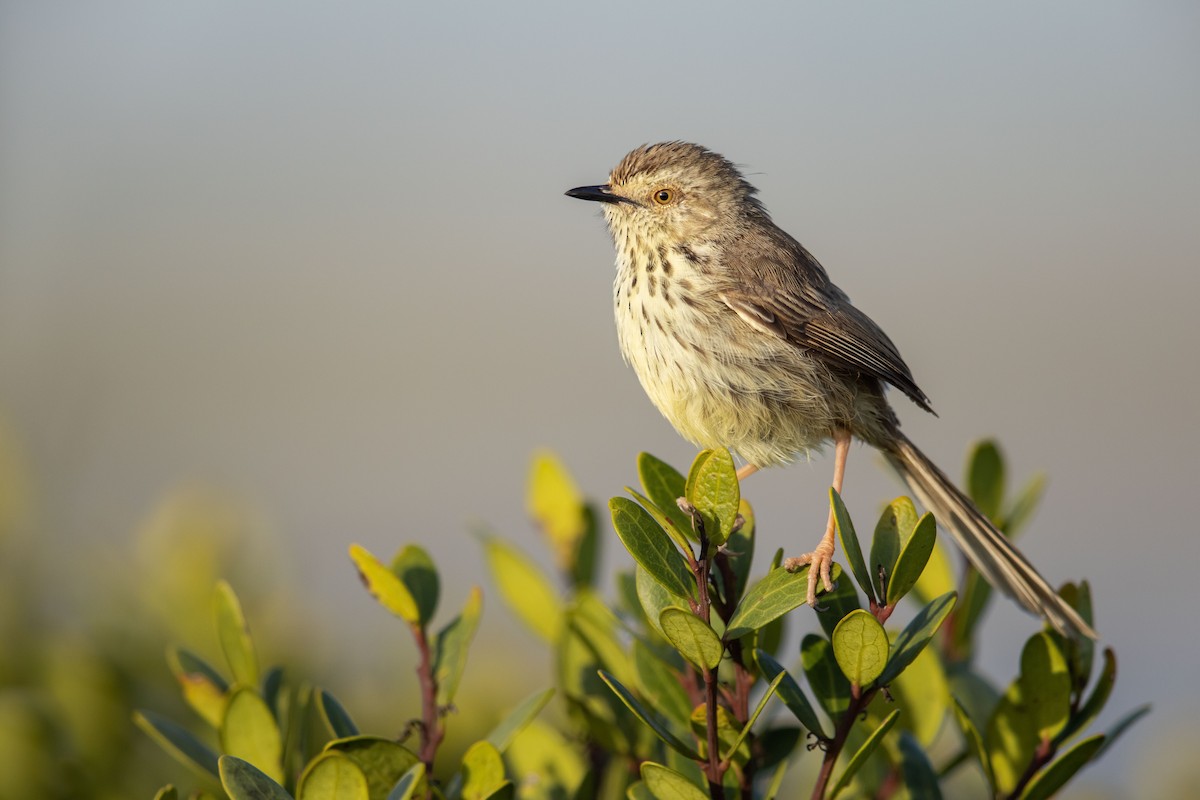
[915, 551]
[332, 776]
[385, 585]
[234, 635]
[860, 646]
[525, 588]
[249, 731]
[713, 490]
[452, 644]
[483, 771]
[203, 688]
[692, 637]
[667, 784]
[556, 504]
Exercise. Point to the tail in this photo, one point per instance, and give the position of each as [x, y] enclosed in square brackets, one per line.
[987, 548]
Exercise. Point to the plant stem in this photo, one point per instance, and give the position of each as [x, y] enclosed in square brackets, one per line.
[432, 732]
[859, 701]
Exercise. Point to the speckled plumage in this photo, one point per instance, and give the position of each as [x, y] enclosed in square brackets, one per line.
[741, 340]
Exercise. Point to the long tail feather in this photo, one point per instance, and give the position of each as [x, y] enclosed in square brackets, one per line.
[987, 548]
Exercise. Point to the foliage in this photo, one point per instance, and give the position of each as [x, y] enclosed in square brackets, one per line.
[676, 689]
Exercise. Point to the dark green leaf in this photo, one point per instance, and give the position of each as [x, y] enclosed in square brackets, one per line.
[1096, 702]
[919, 777]
[772, 597]
[974, 740]
[664, 486]
[692, 637]
[243, 781]
[1080, 650]
[758, 709]
[916, 635]
[1122, 725]
[651, 547]
[660, 685]
[860, 646]
[891, 532]
[665, 522]
[789, 691]
[415, 569]
[583, 568]
[740, 551]
[863, 753]
[913, 558]
[976, 594]
[850, 546]
[713, 490]
[273, 691]
[335, 716]
[178, 741]
[406, 787]
[167, 792]
[985, 478]
[825, 678]
[203, 687]
[661, 728]
[1047, 782]
[777, 744]
[1022, 509]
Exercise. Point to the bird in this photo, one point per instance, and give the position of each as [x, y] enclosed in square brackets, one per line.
[739, 337]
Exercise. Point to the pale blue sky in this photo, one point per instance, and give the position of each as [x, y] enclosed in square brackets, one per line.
[321, 256]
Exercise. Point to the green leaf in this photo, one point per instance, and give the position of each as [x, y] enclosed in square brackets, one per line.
[384, 585]
[937, 578]
[234, 636]
[892, 531]
[985, 478]
[772, 597]
[382, 761]
[919, 777]
[1021, 510]
[249, 731]
[789, 691]
[651, 547]
[274, 691]
[332, 776]
[850, 546]
[667, 784]
[335, 716]
[776, 781]
[1122, 725]
[713, 490]
[1045, 685]
[665, 522]
[415, 569]
[863, 753]
[243, 781]
[977, 592]
[974, 741]
[1096, 701]
[178, 741]
[692, 637]
[838, 603]
[913, 559]
[483, 771]
[758, 709]
[525, 588]
[503, 734]
[451, 646]
[1047, 782]
[203, 687]
[660, 684]
[860, 645]
[922, 694]
[547, 758]
[653, 597]
[656, 723]
[406, 787]
[556, 504]
[167, 792]
[727, 733]
[1080, 650]
[664, 486]
[916, 635]
[740, 551]
[825, 678]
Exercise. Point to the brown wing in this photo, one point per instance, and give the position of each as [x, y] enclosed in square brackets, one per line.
[788, 294]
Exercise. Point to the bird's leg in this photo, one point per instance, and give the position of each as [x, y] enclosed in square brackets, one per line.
[746, 472]
[820, 560]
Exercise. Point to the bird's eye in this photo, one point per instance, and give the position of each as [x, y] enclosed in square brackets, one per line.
[664, 197]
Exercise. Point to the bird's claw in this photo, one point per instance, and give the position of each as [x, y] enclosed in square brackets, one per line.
[819, 563]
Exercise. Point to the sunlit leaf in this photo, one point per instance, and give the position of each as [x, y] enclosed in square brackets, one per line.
[250, 732]
[382, 761]
[451, 646]
[860, 646]
[916, 635]
[332, 776]
[768, 599]
[974, 740]
[203, 687]
[656, 723]
[556, 504]
[518, 718]
[1047, 782]
[913, 558]
[692, 636]
[863, 753]
[525, 588]
[234, 636]
[384, 585]
[850, 545]
[891, 533]
[713, 490]
[667, 784]
[483, 771]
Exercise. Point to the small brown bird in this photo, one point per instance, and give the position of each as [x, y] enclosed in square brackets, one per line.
[741, 340]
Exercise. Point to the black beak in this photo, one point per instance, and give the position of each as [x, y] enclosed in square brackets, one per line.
[601, 194]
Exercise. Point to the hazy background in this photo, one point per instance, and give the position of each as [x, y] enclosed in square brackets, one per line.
[320, 259]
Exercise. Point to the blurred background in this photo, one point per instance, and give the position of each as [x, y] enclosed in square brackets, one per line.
[276, 278]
